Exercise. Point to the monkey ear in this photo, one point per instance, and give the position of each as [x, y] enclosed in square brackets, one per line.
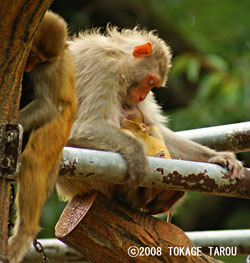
[142, 51]
[143, 127]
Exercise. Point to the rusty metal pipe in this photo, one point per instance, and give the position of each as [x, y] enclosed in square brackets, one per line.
[92, 165]
[231, 137]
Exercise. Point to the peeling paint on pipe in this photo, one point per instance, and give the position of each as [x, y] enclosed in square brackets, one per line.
[92, 165]
[231, 137]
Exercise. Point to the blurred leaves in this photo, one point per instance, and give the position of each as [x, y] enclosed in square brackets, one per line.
[217, 62]
[217, 70]
[193, 70]
[187, 64]
[50, 215]
[219, 27]
[222, 90]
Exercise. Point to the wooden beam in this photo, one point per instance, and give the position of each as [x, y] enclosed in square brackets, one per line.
[105, 231]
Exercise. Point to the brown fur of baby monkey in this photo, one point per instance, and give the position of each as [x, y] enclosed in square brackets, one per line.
[132, 122]
[47, 109]
[154, 147]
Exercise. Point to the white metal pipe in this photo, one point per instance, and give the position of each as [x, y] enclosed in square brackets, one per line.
[230, 137]
[92, 165]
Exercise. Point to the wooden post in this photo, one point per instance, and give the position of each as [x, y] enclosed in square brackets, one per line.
[106, 231]
[19, 20]
[4, 213]
[10, 148]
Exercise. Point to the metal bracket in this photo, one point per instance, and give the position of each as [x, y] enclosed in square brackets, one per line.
[10, 149]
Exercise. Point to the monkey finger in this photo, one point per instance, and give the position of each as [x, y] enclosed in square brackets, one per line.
[234, 166]
[237, 170]
[136, 177]
[137, 171]
[228, 160]
[218, 159]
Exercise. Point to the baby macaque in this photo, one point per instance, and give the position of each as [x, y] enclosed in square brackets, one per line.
[165, 200]
[115, 73]
[48, 106]
[153, 146]
[133, 124]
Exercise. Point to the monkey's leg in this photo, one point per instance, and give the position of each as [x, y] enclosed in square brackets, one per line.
[135, 197]
[35, 182]
[181, 148]
[30, 201]
[164, 202]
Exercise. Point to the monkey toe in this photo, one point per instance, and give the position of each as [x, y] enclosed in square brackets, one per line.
[18, 246]
[219, 160]
[236, 169]
[229, 161]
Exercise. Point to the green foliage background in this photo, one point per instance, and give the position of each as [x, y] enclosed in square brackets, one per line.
[220, 32]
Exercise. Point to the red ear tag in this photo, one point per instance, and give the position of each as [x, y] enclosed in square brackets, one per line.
[142, 51]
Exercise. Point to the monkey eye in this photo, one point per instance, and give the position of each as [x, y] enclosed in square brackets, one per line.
[151, 82]
[33, 55]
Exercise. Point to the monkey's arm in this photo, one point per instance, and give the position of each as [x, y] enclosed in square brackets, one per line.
[103, 136]
[36, 113]
[181, 148]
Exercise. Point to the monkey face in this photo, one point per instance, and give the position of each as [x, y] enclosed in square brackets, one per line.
[140, 92]
[32, 61]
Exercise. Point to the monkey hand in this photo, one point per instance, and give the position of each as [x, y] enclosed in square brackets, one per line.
[228, 160]
[137, 163]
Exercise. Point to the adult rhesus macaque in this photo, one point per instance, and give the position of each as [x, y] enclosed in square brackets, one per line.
[115, 72]
[48, 106]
